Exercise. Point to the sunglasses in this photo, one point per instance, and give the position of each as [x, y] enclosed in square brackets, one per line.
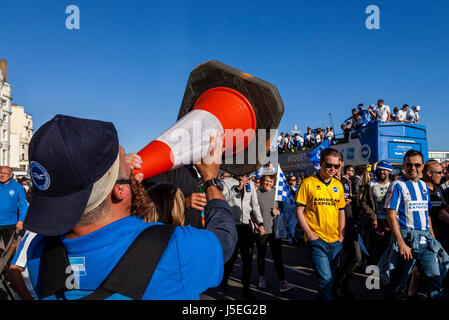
[330, 165]
[416, 165]
[436, 172]
[123, 181]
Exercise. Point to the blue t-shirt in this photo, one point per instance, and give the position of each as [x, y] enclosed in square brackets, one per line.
[12, 198]
[191, 263]
[412, 201]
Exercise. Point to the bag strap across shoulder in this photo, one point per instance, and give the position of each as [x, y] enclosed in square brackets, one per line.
[130, 277]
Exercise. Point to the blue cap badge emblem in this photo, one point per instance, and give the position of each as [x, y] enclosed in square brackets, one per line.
[39, 176]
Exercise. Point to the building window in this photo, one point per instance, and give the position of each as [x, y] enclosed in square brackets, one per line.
[23, 156]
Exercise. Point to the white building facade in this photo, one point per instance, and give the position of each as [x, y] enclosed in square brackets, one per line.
[5, 118]
[440, 156]
[21, 131]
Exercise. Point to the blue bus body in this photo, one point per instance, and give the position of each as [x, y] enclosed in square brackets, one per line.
[366, 146]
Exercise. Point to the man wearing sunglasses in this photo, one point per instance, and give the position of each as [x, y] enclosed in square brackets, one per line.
[432, 174]
[320, 212]
[407, 204]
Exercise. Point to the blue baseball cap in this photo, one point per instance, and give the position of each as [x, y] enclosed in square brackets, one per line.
[68, 156]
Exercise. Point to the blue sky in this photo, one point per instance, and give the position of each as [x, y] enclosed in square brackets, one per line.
[130, 61]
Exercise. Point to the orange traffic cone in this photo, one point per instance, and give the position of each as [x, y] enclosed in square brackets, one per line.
[187, 141]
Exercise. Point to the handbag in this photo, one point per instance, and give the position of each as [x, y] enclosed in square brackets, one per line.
[280, 227]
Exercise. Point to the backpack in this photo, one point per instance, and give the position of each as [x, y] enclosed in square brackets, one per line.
[127, 281]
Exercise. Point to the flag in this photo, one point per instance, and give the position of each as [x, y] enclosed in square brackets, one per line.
[362, 245]
[315, 154]
[283, 193]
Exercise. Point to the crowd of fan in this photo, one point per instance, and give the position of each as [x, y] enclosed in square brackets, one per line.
[361, 116]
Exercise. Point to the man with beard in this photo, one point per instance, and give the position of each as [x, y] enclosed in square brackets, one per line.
[372, 203]
[85, 241]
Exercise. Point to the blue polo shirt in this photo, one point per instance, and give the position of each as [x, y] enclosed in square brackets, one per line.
[12, 200]
[191, 263]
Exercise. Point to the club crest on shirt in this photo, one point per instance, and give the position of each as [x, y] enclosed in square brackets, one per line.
[335, 189]
[11, 192]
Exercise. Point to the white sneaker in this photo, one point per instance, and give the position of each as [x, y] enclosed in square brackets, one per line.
[285, 286]
[261, 283]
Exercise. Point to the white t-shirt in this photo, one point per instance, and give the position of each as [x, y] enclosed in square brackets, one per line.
[281, 141]
[411, 115]
[402, 115]
[382, 113]
[300, 139]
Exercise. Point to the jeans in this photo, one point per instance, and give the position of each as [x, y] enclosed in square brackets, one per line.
[325, 258]
[428, 266]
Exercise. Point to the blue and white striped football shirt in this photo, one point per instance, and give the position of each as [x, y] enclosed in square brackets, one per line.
[412, 201]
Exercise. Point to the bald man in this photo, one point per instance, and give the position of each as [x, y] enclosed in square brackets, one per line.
[13, 205]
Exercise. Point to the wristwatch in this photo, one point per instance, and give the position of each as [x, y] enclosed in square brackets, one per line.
[213, 182]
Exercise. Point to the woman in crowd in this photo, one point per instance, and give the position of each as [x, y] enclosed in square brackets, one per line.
[269, 209]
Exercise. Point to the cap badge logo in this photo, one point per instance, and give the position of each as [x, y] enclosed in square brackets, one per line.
[40, 176]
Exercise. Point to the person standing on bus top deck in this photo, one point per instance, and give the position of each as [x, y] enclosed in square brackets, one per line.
[371, 115]
[402, 114]
[383, 112]
[281, 143]
[299, 141]
[287, 143]
[364, 114]
[319, 137]
[394, 115]
[407, 204]
[353, 117]
[329, 135]
[320, 212]
[310, 139]
[412, 115]
[417, 117]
